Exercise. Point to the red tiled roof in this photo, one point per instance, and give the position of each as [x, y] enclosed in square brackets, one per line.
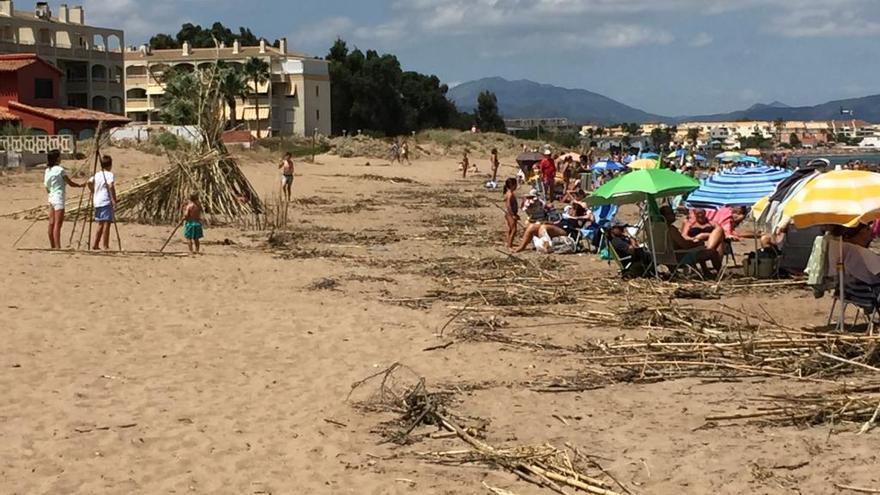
[7, 115]
[15, 61]
[231, 137]
[68, 113]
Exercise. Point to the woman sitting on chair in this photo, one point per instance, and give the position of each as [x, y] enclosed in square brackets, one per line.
[680, 243]
[704, 231]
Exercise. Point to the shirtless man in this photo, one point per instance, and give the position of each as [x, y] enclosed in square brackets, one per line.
[286, 168]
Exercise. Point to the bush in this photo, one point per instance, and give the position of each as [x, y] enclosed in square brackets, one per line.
[166, 140]
[298, 147]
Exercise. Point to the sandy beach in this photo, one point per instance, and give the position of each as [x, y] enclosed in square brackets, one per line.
[231, 372]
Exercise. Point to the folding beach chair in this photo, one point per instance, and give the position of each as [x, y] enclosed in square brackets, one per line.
[666, 255]
[866, 299]
[603, 217]
[628, 266]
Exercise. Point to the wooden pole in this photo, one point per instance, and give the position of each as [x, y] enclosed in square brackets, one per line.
[94, 172]
[25, 232]
[170, 236]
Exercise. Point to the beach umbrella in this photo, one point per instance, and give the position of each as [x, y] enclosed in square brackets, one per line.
[643, 185]
[700, 158]
[677, 154]
[649, 155]
[727, 156]
[753, 152]
[748, 159]
[840, 197]
[574, 156]
[527, 160]
[608, 166]
[644, 163]
[740, 186]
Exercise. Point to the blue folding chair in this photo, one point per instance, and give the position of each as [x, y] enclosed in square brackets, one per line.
[603, 217]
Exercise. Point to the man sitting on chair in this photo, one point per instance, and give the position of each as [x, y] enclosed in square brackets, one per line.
[679, 243]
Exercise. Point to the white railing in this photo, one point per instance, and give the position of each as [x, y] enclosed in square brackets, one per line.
[38, 144]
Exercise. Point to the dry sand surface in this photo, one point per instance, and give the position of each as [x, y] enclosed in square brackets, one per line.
[229, 372]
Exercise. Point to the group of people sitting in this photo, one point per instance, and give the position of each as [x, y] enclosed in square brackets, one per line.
[548, 229]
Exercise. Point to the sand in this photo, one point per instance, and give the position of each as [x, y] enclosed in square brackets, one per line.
[229, 373]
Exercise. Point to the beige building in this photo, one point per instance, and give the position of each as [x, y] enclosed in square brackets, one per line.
[90, 57]
[295, 101]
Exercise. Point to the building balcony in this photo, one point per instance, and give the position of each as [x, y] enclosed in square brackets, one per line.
[138, 105]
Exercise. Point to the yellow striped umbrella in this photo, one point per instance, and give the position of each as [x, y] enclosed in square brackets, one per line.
[644, 164]
[840, 197]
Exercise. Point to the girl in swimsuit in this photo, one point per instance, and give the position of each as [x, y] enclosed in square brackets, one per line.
[701, 229]
[511, 212]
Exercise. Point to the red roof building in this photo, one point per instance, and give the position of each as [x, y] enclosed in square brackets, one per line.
[30, 96]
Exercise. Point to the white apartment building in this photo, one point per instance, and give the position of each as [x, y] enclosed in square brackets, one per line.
[295, 101]
[90, 57]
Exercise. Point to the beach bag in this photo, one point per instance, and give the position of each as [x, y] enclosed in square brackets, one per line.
[563, 245]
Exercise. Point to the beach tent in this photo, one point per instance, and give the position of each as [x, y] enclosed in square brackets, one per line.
[528, 160]
[740, 186]
[841, 197]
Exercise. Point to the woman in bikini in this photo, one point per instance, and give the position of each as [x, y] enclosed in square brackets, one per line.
[701, 229]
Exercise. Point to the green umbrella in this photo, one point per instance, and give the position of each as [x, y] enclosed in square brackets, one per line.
[641, 185]
[644, 185]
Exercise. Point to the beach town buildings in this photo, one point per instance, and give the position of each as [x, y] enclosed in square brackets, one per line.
[31, 97]
[295, 100]
[90, 58]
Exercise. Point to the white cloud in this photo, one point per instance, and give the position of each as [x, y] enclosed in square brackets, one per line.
[132, 16]
[701, 39]
[628, 35]
[824, 23]
[322, 33]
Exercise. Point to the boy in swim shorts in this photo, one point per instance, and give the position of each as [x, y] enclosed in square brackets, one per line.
[192, 223]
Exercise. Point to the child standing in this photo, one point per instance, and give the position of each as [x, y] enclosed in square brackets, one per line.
[493, 159]
[192, 223]
[103, 187]
[511, 212]
[465, 165]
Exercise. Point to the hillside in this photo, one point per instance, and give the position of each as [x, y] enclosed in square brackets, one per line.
[527, 99]
[866, 108]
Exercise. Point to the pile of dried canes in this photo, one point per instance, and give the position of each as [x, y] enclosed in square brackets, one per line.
[544, 465]
[207, 169]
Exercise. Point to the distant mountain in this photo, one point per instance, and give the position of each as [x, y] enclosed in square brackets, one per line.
[866, 108]
[528, 99]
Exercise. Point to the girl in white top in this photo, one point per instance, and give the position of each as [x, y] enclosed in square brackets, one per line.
[55, 180]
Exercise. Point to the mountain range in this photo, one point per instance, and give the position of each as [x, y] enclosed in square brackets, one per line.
[529, 99]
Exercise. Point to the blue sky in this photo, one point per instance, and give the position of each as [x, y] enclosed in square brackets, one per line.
[671, 57]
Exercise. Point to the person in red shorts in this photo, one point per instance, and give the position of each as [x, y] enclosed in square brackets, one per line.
[547, 166]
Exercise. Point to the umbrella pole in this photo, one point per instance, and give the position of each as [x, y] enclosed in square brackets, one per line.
[653, 245]
[840, 274]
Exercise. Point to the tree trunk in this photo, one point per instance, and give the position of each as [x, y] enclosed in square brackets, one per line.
[257, 105]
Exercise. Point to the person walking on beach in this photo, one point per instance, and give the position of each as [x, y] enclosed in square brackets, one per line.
[465, 165]
[511, 211]
[55, 180]
[286, 168]
[493, 158]
[404, 153]
[395, 152]
[103, 188]
[192, 223]
[547, 166]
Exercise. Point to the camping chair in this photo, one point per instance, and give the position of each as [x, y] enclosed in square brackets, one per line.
[728, 252]
[666, 255]
[628, 266]
[603, 216]
[861, 295]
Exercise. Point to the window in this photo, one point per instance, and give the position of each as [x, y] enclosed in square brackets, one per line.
[43, 89]
[317, 115]
[317, 91]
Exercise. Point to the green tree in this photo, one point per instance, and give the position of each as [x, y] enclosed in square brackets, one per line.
[794, 140]
[693, 134]
[370, 92]
[233, 85]
[488, 118]
[178, 102]
[163, 42]
[257, 72]
[201, 37]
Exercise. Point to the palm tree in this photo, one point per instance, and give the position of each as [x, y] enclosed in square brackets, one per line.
[233, 85]
[257, 72]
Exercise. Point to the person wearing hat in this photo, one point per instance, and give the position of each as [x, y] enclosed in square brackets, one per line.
[535, 209]
[547, 167]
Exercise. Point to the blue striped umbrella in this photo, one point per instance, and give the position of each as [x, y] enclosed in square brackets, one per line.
[740, 186]
[608, 165]
[749, 159]
[649, 155]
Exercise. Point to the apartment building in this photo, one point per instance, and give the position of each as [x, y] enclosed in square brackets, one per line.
[90, 58]
[295, 101]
